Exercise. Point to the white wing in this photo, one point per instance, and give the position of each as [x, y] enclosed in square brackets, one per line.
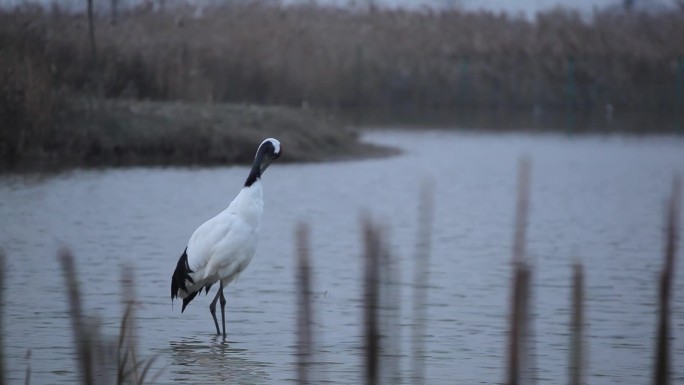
[203, 244]
[221, 249]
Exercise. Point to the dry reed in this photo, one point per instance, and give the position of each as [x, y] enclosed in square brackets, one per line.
[2, 318]
[576, 351]
[27, 376]
[381, 307]
[662, 352]
[83, 332]
[421, 280]
[102, 360]
[520, 364]
[373, 249]
[305, 342]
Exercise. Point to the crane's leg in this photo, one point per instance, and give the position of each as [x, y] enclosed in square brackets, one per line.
[212, 309]
[223, 310]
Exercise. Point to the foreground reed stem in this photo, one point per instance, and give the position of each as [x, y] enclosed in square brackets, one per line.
[2, 327]
[577, 326]
[84, 351]
[662, 354]
[304, 318]
[520, 366]
[371, 256]
[420, 282]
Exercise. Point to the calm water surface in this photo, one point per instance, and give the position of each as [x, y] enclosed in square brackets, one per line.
[597, 199]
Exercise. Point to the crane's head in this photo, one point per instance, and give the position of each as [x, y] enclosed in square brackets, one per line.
[269, 150]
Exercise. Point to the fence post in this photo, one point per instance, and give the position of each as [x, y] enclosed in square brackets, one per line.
[679, 95]
[570, 96]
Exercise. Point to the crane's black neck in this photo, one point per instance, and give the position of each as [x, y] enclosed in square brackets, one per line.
[261, 161]
[254, 174]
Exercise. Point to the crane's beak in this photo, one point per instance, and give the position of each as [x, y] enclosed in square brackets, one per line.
[265, 155]
[266, 160]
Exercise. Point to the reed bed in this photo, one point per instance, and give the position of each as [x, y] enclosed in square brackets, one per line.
[397, 63]
[347, 58]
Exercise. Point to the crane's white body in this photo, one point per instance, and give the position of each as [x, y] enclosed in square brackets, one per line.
[222, 247]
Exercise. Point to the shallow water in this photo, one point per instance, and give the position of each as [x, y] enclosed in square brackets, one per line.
[596, 199]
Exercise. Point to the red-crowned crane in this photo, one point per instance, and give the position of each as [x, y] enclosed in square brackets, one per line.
[222, 247]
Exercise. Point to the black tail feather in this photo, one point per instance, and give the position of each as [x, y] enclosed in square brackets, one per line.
[180, 276]
[189, 298]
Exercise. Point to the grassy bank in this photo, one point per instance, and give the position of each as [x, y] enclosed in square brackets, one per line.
[93, 132]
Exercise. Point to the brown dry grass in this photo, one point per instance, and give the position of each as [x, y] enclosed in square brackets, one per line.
[340, 58]
[332, 58]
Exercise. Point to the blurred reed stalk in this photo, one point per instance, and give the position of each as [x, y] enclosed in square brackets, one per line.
[373, 249]
[381, 301]
[389, 312]
[521, 211]
[130, 369]
[520, 364]
[27, 377]
[304, 304]
[420, 284]
[82, 335]
[2, 327]
[662, 354]
[381, 308]
[577, 326]
[102, 360]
